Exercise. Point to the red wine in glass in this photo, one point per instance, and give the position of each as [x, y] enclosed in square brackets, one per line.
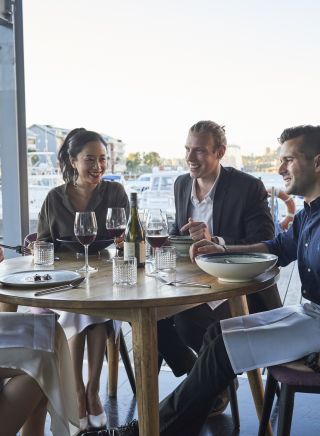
[156, 231]
[85, 230]
[115, 223]
[156, 241]
[115, 232]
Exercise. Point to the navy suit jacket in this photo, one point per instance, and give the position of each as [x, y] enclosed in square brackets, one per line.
[240, 207]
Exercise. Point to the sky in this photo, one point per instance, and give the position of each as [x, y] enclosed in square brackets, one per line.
[144, 71]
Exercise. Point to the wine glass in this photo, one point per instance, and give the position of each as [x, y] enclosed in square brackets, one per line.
[143, 215]
[156, 229]
[85, 230]
[115, 223]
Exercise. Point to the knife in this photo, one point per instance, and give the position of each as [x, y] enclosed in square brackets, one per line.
[74, 284]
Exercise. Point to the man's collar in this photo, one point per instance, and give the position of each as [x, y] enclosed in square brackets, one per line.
[211, 191]
[313, 206]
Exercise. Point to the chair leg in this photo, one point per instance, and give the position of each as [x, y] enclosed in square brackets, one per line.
[113, 364]
[126, 362]
[234, 405]
[270, 390]
[286, 404]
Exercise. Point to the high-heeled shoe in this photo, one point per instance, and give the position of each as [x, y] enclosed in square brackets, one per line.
[97, 421]
[83, 423]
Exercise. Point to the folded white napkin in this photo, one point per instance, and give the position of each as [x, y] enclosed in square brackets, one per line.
[27, 330]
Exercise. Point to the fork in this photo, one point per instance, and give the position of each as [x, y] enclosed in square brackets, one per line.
[21, 249]
[182, 282]
[74, 284]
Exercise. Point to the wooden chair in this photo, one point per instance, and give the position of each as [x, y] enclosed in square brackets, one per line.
[31, 237]
[112, 356]
[293, 377]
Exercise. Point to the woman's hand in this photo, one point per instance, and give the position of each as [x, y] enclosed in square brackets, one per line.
[203, 247]
[118, 242]
[198, 230]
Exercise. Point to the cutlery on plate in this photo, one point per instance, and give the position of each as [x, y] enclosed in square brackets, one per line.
[184, 283]
[74, 284]
[192, 284]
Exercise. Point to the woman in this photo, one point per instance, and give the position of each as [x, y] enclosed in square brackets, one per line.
[40, 376]
[83, 161]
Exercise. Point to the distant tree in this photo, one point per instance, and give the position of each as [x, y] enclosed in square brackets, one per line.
[151, 159]
[133, 162]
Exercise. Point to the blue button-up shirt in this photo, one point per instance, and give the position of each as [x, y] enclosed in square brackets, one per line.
[302, 242]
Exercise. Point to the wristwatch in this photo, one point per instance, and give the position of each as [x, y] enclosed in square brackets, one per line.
[215, 239]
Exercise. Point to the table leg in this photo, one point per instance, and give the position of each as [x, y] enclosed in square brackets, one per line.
[238, 307]
[145, 353]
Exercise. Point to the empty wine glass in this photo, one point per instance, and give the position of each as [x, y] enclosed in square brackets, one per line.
[85, 230]
[143, 214]
[115, 223]
[156, 229]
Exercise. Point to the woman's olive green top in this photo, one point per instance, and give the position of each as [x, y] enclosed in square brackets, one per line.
[56, 218]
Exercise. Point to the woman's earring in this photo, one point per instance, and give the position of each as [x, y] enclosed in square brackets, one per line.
[75, 177]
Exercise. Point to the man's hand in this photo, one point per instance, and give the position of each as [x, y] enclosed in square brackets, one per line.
[203, 247]
[1, 254]
[198, 230]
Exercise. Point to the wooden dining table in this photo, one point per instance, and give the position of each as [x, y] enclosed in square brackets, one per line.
[142, 305]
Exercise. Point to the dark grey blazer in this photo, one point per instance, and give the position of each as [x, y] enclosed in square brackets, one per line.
[240, 215]
[240, 208]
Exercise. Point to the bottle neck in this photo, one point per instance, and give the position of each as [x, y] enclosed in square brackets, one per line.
[133, 210]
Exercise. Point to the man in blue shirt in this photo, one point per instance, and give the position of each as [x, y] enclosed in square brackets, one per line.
[285, 329]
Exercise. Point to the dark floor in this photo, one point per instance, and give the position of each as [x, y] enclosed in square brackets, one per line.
[306, 418]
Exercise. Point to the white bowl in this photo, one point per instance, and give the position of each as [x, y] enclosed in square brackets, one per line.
[181, 244]
[236, 267]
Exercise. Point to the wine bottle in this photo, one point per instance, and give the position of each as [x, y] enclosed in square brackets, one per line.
[134, 244]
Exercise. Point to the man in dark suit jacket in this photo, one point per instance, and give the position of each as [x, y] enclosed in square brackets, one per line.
[224, 205]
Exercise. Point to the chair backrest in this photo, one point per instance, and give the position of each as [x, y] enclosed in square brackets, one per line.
[31, 237]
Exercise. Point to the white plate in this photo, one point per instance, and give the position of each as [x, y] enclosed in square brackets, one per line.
[25, 279]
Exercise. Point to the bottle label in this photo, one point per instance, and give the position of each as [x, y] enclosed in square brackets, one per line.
[129, 250]
[142, 252]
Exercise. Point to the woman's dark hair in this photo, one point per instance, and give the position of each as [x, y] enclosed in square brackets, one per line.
[310, 146]
[73, 144]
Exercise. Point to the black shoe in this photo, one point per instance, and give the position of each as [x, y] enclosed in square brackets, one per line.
[130, 429]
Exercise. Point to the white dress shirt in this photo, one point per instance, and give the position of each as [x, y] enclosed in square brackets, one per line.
[203, 210]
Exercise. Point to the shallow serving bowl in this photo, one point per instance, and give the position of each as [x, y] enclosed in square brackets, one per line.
[236, 267]
[181, 244]
[72, 244]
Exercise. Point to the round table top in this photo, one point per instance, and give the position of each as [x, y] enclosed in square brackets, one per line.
[98, 292]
